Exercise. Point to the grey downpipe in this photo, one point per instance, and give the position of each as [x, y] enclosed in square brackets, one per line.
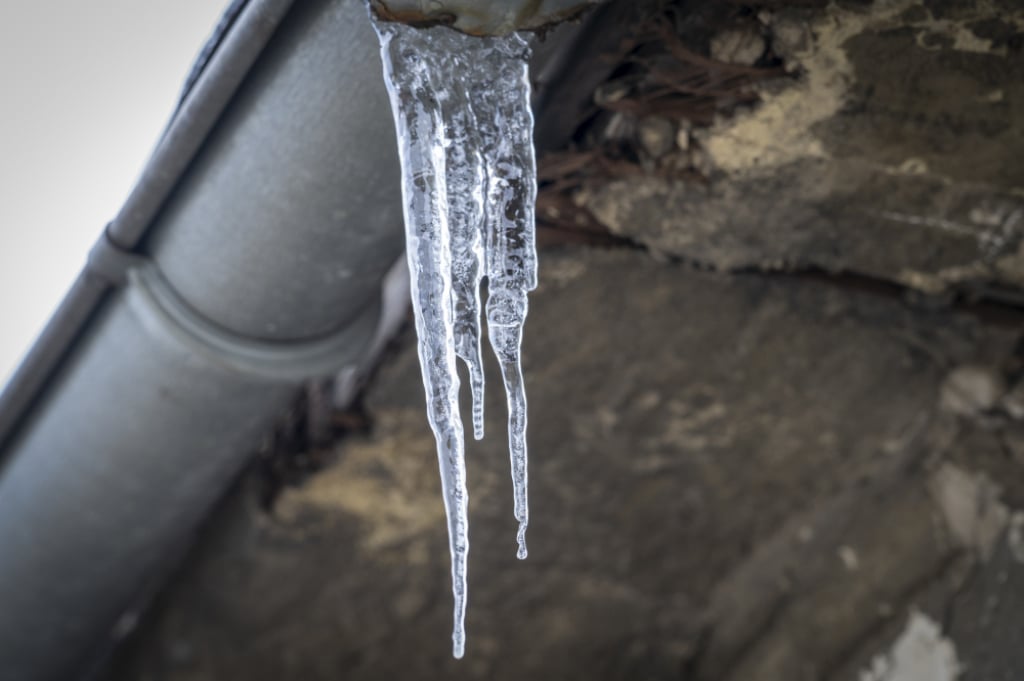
[248, 258]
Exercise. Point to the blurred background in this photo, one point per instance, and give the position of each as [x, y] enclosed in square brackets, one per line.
[775, 366]
[87, 89]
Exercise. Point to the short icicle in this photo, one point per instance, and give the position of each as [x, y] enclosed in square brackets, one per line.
[465, 131]
[465, 171]
[511, 253]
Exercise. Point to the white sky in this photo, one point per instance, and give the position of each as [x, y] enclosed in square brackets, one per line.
[86, 87]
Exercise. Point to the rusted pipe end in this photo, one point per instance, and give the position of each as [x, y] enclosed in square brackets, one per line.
[481, 17]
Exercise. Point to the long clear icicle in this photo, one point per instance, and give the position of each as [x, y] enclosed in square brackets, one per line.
[420, 130]
[465, 131]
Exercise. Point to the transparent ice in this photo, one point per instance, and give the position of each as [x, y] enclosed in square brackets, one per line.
[465, 138]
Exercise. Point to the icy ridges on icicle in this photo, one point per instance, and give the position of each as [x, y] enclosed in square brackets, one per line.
[506, 121]
[408, 68]
[466, 175]
[497, 124]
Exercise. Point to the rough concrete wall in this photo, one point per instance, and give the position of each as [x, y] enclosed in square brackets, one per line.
[738, 473]
[889, 148]
[739, 478]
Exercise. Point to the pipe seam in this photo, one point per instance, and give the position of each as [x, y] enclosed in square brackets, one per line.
[169, 319]
[110, 262]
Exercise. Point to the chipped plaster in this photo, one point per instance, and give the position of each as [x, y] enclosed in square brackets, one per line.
[780, 129]
[970, 507]
[921, 653]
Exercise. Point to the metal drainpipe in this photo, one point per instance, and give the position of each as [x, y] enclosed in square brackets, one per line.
[248, 258]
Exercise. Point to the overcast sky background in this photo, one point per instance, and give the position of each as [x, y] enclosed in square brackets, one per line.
[86, 87]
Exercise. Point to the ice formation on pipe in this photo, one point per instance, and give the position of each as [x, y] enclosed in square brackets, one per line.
[465, 137]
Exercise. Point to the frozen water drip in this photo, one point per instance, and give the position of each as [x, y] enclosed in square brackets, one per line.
[465, 137]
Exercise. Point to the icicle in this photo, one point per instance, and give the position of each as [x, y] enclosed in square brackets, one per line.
[511, 251]
[466, 172]
[465, 130]
[421, 141]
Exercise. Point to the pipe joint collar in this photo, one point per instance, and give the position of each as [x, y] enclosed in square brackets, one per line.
[169, 319]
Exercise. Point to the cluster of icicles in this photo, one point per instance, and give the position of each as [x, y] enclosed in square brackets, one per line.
[465, 137]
